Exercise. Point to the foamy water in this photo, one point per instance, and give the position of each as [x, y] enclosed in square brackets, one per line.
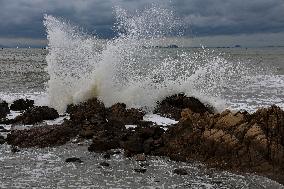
[128, 69]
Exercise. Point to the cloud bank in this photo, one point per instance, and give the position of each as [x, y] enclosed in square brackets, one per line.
[23, 18]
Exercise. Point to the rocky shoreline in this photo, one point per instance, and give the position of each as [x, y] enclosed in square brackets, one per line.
[235, 141]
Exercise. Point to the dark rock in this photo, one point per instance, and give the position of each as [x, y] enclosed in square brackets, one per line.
[180, 171]
[14, 149]
[21, 104]
[142, 140]
[74, 160]
[45, 136]
[105, 164]
[103, 144]
[172, 106]
[2, 139]
[36, 114]
[140, 170]
[106, 156]
[4, 109]
[126, 116]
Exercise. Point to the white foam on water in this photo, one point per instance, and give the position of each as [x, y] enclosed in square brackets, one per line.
[128, 69]
[159, 120]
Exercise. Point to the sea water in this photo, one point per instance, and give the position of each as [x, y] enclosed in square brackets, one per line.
[136, 69]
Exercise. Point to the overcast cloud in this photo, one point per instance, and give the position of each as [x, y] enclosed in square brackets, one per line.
[23, 18]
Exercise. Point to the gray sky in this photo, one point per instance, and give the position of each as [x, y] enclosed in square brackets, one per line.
[210, 22]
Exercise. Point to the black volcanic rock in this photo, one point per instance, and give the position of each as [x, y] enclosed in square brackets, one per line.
[21, 104]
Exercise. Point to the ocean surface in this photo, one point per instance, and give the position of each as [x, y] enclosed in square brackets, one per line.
[137, 69]
[24, 74]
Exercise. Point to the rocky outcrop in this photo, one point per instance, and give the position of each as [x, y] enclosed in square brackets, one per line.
[4, 109]
[235, 141]
[92, 117]
[21, 104]
[44, 136]
[130, 116]
[35, 115]
[172, 106]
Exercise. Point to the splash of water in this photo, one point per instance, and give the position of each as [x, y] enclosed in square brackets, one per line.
[127, 68]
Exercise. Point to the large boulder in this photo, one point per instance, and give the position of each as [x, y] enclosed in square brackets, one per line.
[21, 104]
[4, 109]
[172, 106]
[36, 114]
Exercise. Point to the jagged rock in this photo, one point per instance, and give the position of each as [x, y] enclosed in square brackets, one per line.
[74, 160]
[21, 104]
[172, 106]
[35, 115]
[142, 140]
[4, 109]
[45, 136]
[126, 116]
[235, 141]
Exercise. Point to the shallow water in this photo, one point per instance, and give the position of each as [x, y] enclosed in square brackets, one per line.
[46, 168]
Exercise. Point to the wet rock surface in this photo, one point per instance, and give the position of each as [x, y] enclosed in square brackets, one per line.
[4, 109]
[21, 104]
[45, 136]
[35, 115]
[172, 106]
[234, 141]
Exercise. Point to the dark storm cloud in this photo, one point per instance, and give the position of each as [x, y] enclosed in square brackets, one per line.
[23, 18]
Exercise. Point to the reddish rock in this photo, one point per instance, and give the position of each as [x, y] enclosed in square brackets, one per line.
[234, 141]
[126, 116]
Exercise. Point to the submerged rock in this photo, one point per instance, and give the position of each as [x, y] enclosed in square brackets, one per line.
[4, 109]
[21, 104]
[104, 164]
[35, 115]
[172, 106]
[140, 170]
[180, 171]
[74, 160]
